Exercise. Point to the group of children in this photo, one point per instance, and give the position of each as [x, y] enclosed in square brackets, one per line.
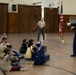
[35, 52]
[11, 58]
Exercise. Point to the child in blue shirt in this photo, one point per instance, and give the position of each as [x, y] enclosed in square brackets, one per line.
[42, 50]
[37, 58]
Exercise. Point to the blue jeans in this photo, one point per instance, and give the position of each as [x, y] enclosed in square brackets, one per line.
[16, 53]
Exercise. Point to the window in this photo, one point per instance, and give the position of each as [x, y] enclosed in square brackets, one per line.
[72, 19]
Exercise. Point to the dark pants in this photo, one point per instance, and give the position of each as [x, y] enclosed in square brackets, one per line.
[74, 44]
[40, 31]
[74, 40]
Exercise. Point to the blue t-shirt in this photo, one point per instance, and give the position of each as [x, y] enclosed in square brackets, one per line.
[38, 59]
[41, 50]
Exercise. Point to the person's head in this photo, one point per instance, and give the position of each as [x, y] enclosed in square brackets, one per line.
[9, 46]
[4, 34]
[30, 44]
[35, 49]
[7, 51]
[24, 41]
[38, 44]
[4, 39]
[31, 41]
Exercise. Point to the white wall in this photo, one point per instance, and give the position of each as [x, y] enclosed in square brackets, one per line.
[20, 1]
[53, 3]
[69, 6]
[25, 2]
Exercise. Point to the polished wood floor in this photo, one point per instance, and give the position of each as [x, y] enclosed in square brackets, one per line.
[60, 62]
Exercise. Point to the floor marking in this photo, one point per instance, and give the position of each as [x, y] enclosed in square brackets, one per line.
[61, 69]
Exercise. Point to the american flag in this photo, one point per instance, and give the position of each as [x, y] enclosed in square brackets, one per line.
[61, 21]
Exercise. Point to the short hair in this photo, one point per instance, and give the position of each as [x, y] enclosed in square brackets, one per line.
[24, 40]
[6, 50]
[35, 49]
[30, 44]
[31, 40]
[4, 38]
[9, 46]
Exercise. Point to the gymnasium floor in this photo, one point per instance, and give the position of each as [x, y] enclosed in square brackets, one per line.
[60, 62]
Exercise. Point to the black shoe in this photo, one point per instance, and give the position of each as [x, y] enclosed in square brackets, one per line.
[73, 55]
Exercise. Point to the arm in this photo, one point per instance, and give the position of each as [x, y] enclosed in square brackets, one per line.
[73, 24]
[32, 64]
[73, 28]
[3, 35]
[8, 57]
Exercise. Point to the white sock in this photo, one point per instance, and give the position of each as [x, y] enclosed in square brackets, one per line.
[23, 69]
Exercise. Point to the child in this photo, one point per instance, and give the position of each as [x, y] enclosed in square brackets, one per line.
[7, 63]
[41, 45]
[15, 53]
[37, 58]
[31, 43]
[3, 38]
[23, 48]
[4, 35]
[3, 44]
[28, 54]
[4, 41]
[6, 44]
[2, 51]
[42, 48]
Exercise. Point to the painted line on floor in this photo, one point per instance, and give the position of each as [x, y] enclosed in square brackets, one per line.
[57, 51]
[2, 71]
[61, 69]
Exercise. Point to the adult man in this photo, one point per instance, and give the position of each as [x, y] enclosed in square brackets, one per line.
[73, 27]
[41, 24]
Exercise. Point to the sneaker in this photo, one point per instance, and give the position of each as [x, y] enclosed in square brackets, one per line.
[21, 57]
[73, 55]
[24, 69]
